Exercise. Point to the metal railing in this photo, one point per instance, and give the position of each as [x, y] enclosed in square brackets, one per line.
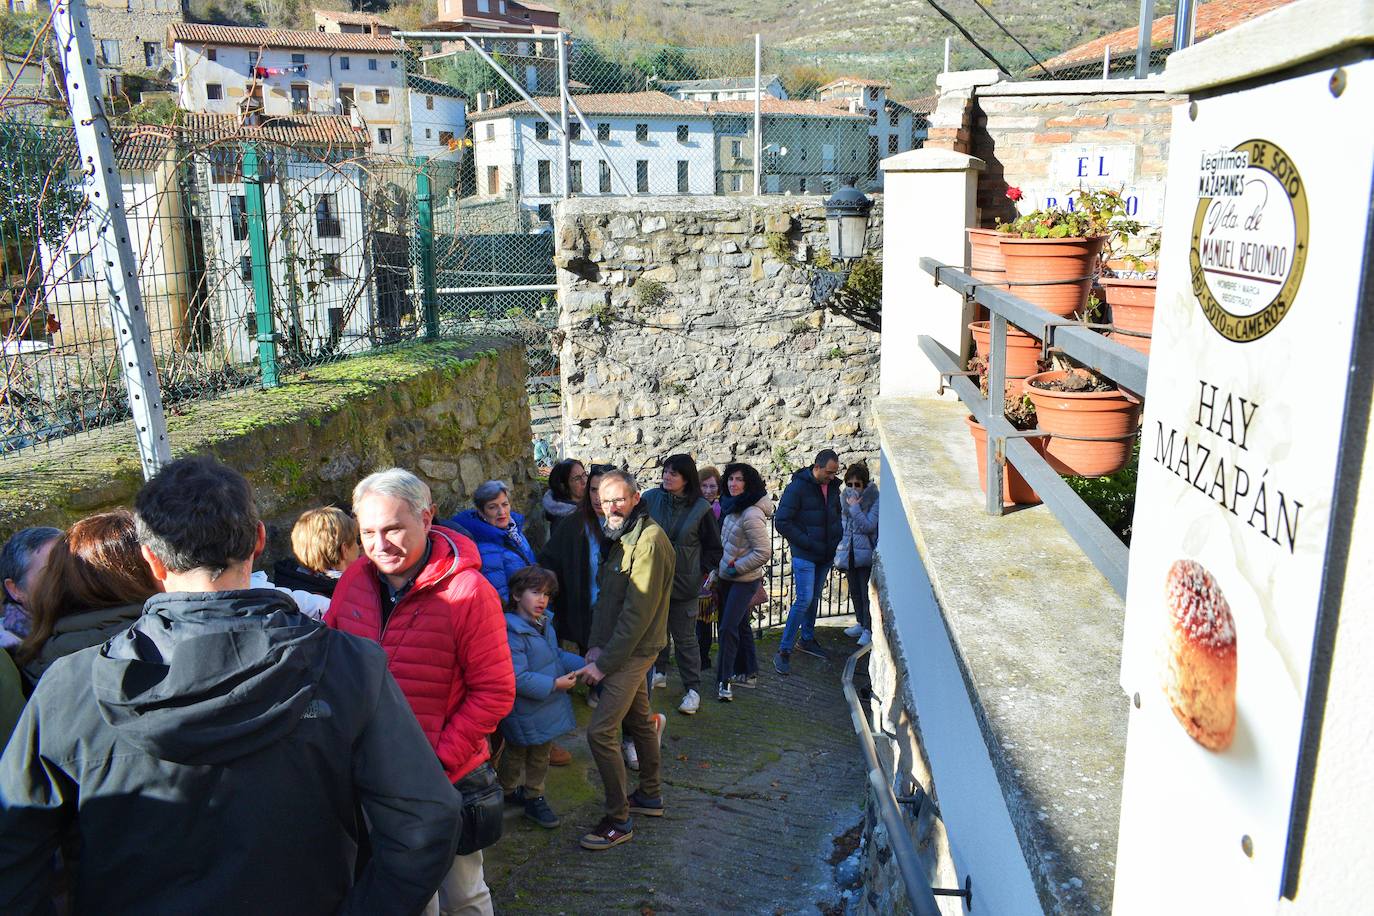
[782, 588]
[1121, 364]
[919, 891]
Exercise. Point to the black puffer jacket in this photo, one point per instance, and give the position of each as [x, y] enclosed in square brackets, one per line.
[810, 519]
[209, 760]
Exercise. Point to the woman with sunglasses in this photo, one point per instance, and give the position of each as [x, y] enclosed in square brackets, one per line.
[859, 514]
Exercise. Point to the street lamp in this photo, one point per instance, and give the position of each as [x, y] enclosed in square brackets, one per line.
[846, 222]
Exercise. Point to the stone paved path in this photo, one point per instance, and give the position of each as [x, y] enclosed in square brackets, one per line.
[755, 791]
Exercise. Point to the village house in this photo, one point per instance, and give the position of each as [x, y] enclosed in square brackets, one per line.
[890, 123]
[130, 37]
[352, 23]
[652, 142]
[724, 89]
[285, 72]
[533, 62]
[438, 119]
[806, 146]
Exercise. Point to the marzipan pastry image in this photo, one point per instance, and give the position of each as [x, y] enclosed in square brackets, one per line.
[1200, 655]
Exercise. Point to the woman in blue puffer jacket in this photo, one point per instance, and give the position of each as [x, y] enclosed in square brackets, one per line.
[498, 533]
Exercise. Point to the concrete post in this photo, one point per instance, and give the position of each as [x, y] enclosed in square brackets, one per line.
[931, 197]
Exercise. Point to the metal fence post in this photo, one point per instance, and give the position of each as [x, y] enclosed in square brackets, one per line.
[105, 200]
[997, 385]
[424, 211]
[256, 210]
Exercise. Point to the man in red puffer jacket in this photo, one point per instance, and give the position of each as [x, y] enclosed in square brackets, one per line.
[419, 591]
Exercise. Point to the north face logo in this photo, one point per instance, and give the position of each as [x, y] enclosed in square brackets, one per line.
[317, 709]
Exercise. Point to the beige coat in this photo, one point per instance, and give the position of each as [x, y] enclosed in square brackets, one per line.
[748, 542]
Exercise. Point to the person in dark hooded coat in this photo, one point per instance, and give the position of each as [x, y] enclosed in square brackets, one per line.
[210, 757]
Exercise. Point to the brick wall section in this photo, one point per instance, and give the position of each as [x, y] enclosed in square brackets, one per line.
[1016, 135]
[951, 123]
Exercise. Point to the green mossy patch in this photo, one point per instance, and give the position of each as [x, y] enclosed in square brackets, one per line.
[269, 434]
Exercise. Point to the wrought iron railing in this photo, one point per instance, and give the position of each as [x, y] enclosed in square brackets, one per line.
[1121, 364]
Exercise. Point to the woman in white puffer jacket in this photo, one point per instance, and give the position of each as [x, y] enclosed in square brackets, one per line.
[748, 547]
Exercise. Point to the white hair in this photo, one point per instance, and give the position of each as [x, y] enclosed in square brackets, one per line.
[397, 483]
[489, 491]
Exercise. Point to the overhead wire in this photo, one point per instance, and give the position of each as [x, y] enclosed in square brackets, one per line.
[967, 36]
[997, 22]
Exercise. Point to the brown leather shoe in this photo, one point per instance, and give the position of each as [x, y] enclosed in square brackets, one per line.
[559, 757]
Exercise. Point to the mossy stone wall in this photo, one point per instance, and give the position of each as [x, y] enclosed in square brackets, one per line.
[454, 412]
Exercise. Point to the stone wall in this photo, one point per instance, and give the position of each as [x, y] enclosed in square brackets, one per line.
[688, 325]
[455, 414]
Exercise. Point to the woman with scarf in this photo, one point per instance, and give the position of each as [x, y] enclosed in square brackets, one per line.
[567, 485]
[680, 510]
[498, 533]
[748, 548]
[574, 554]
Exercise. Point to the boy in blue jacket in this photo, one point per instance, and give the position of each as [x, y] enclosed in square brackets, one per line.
[544, 674]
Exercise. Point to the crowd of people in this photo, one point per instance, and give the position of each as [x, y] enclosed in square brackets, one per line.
[345, 733]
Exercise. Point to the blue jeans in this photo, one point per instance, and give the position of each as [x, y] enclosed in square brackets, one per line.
[808, 579]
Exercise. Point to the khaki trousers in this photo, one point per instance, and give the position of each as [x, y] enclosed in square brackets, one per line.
[525, 765]
[624, 701]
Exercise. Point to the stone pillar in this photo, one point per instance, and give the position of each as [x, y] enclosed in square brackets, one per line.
[930, 197]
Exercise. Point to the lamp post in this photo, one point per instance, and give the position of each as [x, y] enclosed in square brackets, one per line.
[846, 225]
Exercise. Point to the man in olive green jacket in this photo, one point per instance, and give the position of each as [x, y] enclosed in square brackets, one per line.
[629, 627]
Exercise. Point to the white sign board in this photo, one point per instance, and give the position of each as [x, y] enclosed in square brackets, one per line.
[1094, 166]
[1260, 273]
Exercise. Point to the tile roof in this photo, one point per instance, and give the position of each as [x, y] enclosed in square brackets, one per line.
[537, 7]
[855, 81]
[298, 39]
[1212, 18]
[726, 82]
[430, 85]
[795, 108]
[315, 130]
[923, 105]
[351, 18]
[465, 23]
[611, 103]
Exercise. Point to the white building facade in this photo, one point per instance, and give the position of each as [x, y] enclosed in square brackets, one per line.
[649, 144]
[725, 89]
[438, 119]
[891, 129]
[282, 73]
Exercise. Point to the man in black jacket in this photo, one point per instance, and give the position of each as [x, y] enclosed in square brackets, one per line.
[208, 759]
[809, 519]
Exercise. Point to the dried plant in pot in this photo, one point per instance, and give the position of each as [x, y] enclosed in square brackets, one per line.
[1091, 421]
[1128, 285]
[1053, 252]
[1023, 352]
[1020, 412]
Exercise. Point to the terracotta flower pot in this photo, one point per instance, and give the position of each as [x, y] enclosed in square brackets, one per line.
[1065, 266]
[1023, 350]
[1133, 309]
[985, 261]
[1015, 490]
[1105, 421]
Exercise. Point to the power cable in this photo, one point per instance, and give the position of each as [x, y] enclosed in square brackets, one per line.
[987, 12]
[965, 32]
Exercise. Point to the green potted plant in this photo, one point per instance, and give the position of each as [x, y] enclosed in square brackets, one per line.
[1054, 251]
[1020, 412]
[1091, 421]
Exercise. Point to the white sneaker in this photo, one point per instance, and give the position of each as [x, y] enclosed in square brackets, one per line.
[691, 702]
[853, 631]
[865, 638]
[631, 755]
[660, 680]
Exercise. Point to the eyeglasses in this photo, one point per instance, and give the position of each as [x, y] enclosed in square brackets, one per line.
[578, 477]
[615, 503]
